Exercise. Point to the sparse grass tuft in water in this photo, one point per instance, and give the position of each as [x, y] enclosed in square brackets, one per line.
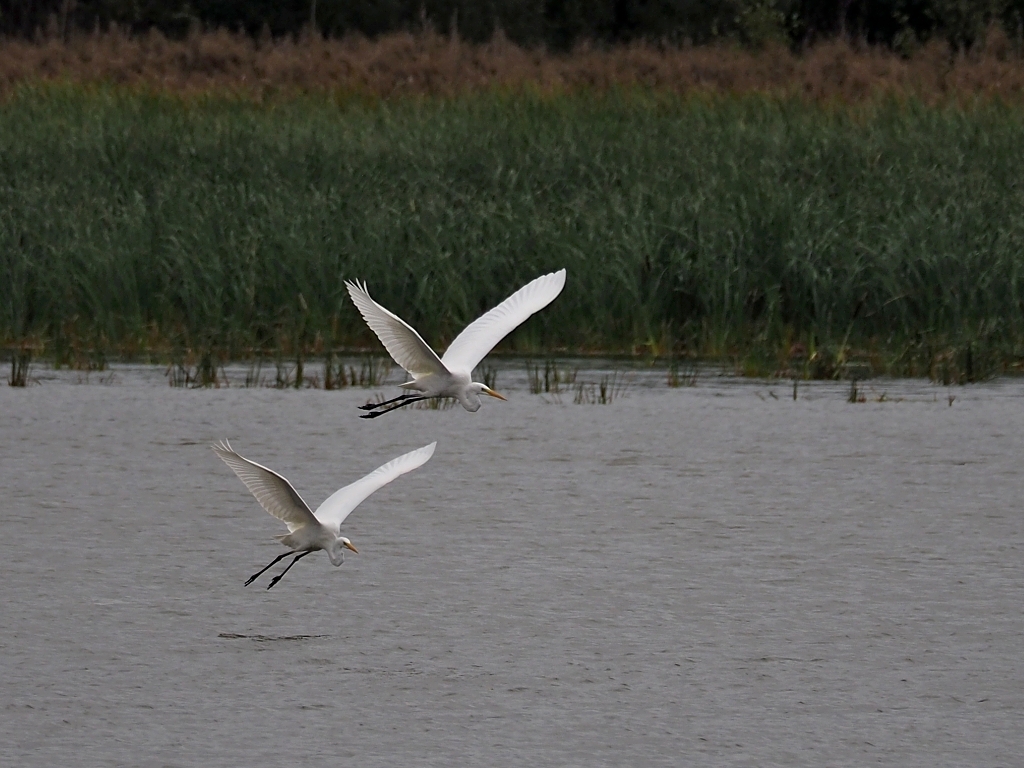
[21, 364]
[608, 389]
[682, 374]
[553, 380]
[188, 371]
[373, 372]
[253, 377]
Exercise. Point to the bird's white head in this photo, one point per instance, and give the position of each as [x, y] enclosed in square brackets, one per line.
[336, 551]
[473, 392]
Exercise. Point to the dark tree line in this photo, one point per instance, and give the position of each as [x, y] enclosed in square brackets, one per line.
[557, 24]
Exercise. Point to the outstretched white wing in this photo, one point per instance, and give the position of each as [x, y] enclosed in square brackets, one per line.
[479, 337]
[399, 338]
[332, 513]
[274, 493]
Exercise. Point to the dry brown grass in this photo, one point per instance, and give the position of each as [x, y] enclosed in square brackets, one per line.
[429, 64]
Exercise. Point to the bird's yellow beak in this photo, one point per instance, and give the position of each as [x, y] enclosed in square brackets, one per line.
[492, 393]
[347, 545]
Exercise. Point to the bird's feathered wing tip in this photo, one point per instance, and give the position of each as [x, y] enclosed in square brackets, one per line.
[273, 491]
[400, 339]
[222, 446]
[339, 505]
[479, 337]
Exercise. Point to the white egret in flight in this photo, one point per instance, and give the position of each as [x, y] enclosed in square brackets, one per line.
[309, 531]
[451, 375]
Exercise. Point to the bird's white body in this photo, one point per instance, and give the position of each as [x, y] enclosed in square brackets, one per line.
[455, 384]
[310, 531]
[452, 374]
[314, 537]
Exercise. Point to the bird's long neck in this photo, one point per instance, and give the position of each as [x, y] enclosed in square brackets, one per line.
[470, 398]
[336, 553]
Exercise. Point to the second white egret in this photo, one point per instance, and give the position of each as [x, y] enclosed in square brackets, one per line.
[451, 375]
[310, 531]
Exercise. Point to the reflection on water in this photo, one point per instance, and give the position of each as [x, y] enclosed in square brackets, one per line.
[713, 571]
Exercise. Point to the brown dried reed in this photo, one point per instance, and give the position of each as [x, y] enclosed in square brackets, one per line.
[434, 65]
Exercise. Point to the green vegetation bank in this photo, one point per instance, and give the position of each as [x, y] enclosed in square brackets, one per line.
[772, 232]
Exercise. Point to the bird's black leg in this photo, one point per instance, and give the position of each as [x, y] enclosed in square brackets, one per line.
[375, 414]
[279, 576]
[273, 563]
[371, 406]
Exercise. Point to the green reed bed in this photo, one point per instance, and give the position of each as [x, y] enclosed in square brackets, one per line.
[783, 235]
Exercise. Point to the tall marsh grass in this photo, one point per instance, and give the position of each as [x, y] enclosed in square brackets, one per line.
[139, 224]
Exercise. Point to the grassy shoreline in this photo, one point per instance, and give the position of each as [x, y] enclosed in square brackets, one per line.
[770, 233]
[403, 65]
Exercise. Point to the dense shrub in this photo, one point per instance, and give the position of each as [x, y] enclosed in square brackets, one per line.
[558, 24]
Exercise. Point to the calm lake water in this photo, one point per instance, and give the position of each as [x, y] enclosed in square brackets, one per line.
[710, 575]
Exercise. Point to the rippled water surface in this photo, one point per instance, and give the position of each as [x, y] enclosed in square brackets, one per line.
[709, 575]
